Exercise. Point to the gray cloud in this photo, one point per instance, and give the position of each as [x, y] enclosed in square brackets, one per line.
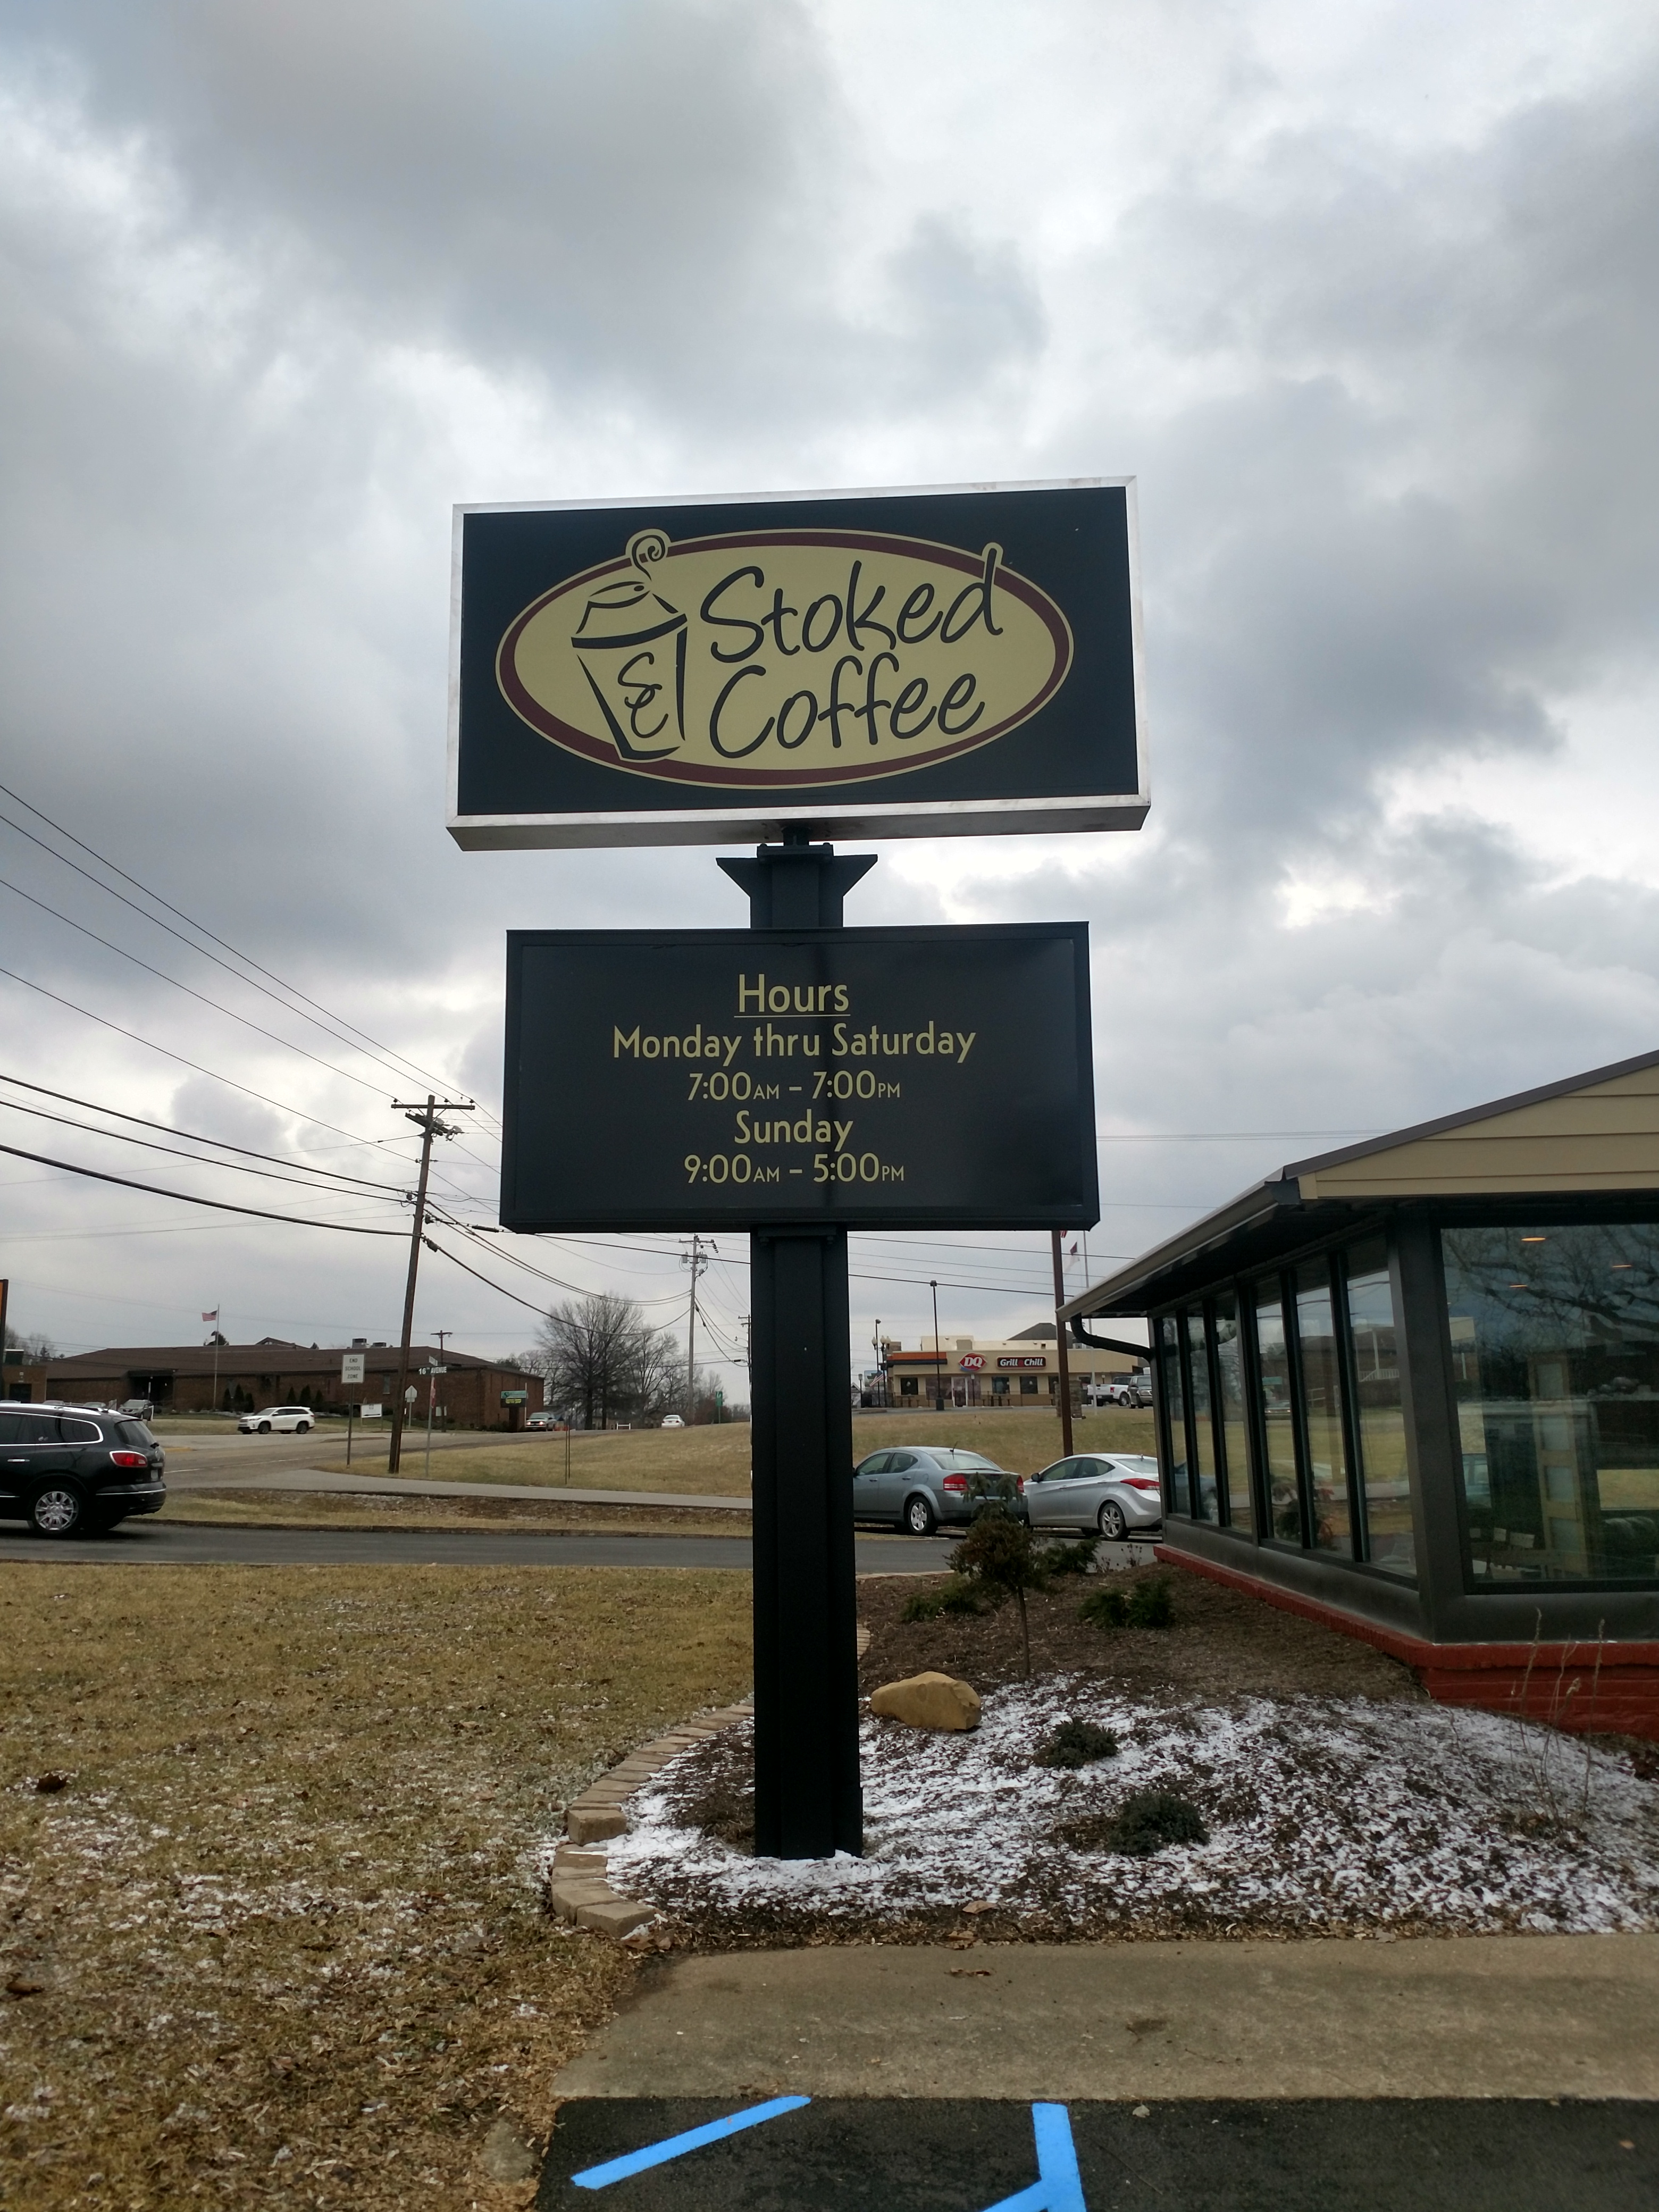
[276, 286]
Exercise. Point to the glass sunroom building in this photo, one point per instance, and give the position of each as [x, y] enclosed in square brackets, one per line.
[1411, 1387]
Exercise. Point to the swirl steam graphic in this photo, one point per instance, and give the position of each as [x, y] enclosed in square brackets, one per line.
[644, 549]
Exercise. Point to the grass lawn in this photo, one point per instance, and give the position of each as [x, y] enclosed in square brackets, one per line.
[1020, 1442]
[716, 1459]
[277, 1939]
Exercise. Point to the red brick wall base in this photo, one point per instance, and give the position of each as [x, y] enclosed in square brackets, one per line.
[1613, 1686]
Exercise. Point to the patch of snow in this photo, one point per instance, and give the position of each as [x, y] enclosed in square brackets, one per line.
[1323, 1814]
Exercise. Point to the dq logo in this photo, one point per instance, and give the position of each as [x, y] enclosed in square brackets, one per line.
[971, 1359]
[783, 658]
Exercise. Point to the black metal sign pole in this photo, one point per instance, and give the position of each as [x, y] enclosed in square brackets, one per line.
[808, 1802]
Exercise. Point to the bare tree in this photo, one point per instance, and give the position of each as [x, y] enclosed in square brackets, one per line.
[602, 1361]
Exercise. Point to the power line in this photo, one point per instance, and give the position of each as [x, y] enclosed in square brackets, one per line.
[162, 975]
[469, 1230]
[120, 1137]
[201, 951]
[167, 1052]
[1218, 1136]
[185, 1197]
[200, 928]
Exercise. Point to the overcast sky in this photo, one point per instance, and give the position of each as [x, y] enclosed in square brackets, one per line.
[1364, 297]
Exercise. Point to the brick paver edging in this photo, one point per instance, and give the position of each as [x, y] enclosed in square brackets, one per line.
[576, 1889]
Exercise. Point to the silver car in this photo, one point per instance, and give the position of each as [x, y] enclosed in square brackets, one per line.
[918, 1489]
[1112, 1494]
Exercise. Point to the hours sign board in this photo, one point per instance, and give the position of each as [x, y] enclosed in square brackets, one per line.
[904, 1078]
[903, 663]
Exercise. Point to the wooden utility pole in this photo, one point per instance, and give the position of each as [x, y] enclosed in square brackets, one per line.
[1060, 1353]
[426, 1119]
[697, 1259]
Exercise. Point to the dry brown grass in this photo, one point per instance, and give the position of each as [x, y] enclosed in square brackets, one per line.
[716, 1459]
[277, 1940]
[1020, 1442]
[710, 1459]
[303, 1509]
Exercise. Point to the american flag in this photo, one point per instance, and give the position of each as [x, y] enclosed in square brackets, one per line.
[214, 1316]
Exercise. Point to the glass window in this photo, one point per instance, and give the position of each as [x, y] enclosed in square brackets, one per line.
[1379, 1416]
[1273, 1365]
[1555, 1359]
[1321, 1408]
[1176, 1498]
[80, 1432]
[1206, 1500]
[1235, 1440]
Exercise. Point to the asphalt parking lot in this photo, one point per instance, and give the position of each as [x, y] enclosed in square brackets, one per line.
[913, 2154]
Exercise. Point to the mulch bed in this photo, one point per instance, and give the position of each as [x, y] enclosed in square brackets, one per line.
[1223, 1645]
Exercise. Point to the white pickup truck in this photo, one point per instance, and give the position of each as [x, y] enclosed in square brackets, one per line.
[1120, 1390]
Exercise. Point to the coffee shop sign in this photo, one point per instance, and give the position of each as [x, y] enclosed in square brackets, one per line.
[809, 656]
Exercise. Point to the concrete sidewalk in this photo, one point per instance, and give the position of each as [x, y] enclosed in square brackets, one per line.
[379, 1486]
[1528, 2016]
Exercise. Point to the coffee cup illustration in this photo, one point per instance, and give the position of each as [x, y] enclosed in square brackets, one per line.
[631, 644]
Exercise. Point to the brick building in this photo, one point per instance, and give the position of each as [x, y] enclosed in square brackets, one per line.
[181, 1379]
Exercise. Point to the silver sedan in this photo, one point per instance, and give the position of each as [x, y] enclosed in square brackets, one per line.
[1112, 1494]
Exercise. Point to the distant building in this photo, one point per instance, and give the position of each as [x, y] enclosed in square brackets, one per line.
[475, 1393]
[1015, 1374]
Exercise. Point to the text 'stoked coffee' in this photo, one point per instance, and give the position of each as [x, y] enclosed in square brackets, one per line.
[892, 664]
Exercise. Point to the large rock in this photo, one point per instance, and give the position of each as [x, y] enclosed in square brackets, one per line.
[928, 1701]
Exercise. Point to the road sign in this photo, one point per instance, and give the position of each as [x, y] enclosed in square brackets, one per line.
[848, 1078]
[351, 1367]
[940, 662]
[410, 1394]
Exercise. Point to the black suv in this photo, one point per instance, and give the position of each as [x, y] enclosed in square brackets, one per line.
[73, 1470]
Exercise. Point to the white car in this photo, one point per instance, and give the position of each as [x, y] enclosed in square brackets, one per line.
[1112, 1494]
[672, 1421]
[284, 1420]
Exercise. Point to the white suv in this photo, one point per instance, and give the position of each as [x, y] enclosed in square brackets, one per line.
[290, 1420]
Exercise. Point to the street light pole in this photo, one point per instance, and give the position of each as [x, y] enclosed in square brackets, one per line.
[432, 1391]
[1059, 1354]
[939, 1359]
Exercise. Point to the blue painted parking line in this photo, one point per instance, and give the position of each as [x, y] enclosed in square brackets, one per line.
[1059, 2186]
[658, 2154]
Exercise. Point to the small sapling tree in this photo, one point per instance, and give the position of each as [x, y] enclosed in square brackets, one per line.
[999, 1555]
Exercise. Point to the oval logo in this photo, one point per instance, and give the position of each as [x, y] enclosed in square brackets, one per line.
[784, 657]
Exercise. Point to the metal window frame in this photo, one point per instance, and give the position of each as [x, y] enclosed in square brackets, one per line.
[1223, 1457]
[1359, 1541]
[1199, 1307]
[1161, 1410]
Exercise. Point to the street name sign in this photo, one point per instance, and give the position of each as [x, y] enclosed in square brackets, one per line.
[951, 661]
[900, 1078]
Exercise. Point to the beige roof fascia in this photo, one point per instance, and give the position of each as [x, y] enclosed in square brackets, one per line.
[1598, 1132]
